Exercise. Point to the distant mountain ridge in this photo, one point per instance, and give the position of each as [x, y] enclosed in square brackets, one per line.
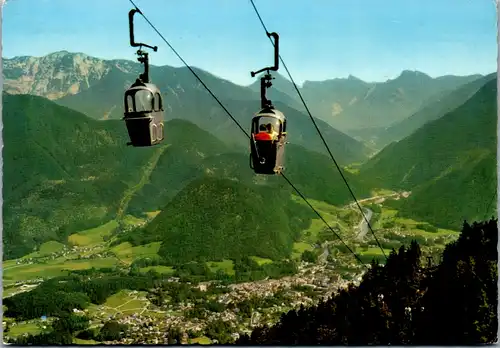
[60, 74]
[347, 104]
[73, 79]
[351, 104]
[52, 76]
[440, 105]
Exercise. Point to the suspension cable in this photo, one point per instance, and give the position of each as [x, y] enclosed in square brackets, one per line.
[321, 136]
[190, 69]
[243, 130]
[321, 217]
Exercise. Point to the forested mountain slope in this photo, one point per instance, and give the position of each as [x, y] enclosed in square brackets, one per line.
[448, 164]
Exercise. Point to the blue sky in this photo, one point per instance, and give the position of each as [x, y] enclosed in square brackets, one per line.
[320, 39]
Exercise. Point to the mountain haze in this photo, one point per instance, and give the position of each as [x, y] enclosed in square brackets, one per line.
[351, 104]
[448, 164]
[436, 107]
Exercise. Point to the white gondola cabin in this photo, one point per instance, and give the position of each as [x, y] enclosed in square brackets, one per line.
[267, 141]
[144, 114]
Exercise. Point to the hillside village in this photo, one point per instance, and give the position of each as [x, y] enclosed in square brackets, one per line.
[319, 279]
[323, 280]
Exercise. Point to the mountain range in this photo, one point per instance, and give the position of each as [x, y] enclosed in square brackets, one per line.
[353, 105]
[350, 105]
[67, 167]
[95, 88]
[437, 106]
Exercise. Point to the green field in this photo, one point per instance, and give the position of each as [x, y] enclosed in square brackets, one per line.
[337, 218]
[410, 225]
[54, 268]
[134, 306]
[78, 341]
[340, 219]
[93, 236]
[130, 220]
[201, 340]
[8, 292]
[226, 265]
[381, 192]
[22, 328]
[152, 214]
[159, 269]
[8, 264]
[127, 253]
[373, 253]
[352, 168]
[125, 302]
[46, 249]
[117, 299]
[261, 261]
[299, 248]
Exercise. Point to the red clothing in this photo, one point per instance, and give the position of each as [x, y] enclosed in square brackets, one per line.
[263, 136]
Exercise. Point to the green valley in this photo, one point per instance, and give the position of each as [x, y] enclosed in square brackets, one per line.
[94, 258]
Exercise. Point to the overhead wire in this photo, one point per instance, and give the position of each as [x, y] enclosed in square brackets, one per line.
[321, 135]
[243, 130]
[321, 217]
[190, 69]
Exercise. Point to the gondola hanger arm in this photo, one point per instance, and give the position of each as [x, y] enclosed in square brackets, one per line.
[131, 30]
[276, 56]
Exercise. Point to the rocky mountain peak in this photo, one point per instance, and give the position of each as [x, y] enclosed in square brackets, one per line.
[52, 76]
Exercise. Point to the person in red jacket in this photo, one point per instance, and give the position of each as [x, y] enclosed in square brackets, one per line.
[263, 134]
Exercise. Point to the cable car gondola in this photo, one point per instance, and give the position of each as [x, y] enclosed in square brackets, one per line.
[143, 101]
[268, 129]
